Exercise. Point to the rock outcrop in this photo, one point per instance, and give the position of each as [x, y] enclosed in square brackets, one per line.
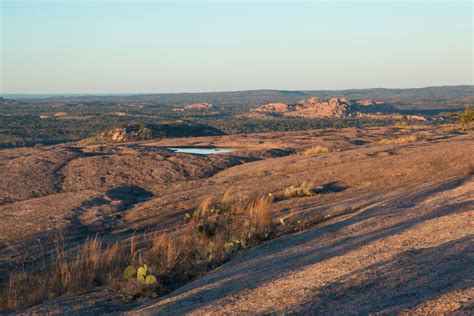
[141, 131]
[128, 133]
[331, 108]
[198, 106]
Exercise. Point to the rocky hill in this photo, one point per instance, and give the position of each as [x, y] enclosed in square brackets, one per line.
[330, 108]
[141, 131]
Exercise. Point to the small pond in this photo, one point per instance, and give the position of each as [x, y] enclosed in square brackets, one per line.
[199, 151]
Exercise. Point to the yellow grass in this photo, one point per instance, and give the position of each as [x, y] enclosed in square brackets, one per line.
[401, 124]
[399, 141]
[173, 256]
[166, 249]
[260, 213]
[205, 206]
[301, 190]
[315, 150]
[90, 267]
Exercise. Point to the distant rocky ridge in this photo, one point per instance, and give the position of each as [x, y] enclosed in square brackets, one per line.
[330, 108]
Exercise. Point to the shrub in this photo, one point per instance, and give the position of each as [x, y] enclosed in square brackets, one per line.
[301, 190]
[466, 118]
[401, 140]
[401, 124]
[315, 150]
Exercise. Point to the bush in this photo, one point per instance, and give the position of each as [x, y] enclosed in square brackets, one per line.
[401, 124]
[466, 119]
[301, 190]
[399, 141]
[315, 150]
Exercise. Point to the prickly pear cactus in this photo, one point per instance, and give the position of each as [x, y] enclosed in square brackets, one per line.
[230, 247]
[150, 279]
[129, 272]
[141, 274]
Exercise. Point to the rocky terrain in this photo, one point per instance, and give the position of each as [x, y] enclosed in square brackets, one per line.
[405, 245]
[332, 108]
[198, 106]
[30, 120]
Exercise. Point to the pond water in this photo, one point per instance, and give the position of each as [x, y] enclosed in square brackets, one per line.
[199, 151]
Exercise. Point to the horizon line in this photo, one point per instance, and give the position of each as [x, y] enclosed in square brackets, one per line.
[72, 94]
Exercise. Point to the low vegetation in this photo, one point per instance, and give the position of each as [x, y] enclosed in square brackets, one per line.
[400, 141]
[315, 150]
[92, 266]
[466, 118]
[155, 263]
[401, 124]
[300, 190]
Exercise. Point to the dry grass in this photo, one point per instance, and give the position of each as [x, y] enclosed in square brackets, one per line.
[400, 141]
[91, 267]
[315, 150]
[401, 124]
[260, 213]
[169, 250]
[216, 230]
[300, 190]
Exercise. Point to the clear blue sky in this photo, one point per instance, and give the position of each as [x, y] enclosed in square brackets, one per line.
[155, 46]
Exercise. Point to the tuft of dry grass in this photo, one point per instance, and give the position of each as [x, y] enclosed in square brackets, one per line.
[227, 197]
[315, 150]
[300, 190]
[400, 141]
[205, 206]
[167, 249]
[260, 213]
[91, 267]
[401, 124]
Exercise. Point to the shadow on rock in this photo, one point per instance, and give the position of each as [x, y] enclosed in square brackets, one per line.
[128, 195]
[331, 187]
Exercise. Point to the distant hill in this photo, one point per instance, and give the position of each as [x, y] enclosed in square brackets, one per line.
[442, 97]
